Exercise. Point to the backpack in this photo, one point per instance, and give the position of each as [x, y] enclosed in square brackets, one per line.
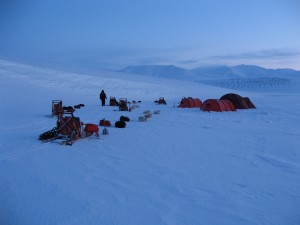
[104, 123]
[91, 128]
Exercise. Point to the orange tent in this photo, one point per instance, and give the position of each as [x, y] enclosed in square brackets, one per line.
[217, 105]
[190, 103]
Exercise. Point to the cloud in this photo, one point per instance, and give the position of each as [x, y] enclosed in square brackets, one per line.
[282, 53]
[191, 61]
[152, 60]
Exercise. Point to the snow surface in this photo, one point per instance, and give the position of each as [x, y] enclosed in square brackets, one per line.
[183, 166]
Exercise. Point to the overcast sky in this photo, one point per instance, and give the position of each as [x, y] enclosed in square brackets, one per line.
[187, 33]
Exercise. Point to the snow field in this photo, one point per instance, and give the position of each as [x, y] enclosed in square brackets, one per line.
[183, 166]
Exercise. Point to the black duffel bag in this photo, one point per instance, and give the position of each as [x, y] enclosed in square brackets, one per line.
[120, 124]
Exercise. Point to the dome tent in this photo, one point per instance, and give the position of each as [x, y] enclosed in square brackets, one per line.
[217, 105]
[249, 103]
[238, 101]
[190, 103]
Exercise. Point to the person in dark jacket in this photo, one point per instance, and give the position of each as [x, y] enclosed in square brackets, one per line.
[103, 97]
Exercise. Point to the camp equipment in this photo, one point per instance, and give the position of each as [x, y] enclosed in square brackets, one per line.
[90, 128]
[120, 124]
[124, 118]
[104, 123]
[113, 101]
[57, 107]
[105, 131]
[161, 101]
[123, 104]
[69, 127]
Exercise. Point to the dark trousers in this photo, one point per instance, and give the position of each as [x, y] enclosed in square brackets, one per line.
[103, 102]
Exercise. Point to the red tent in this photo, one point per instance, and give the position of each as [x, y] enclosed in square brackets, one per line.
[190, 103]
[217, 105]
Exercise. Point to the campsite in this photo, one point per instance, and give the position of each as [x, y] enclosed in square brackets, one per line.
[149, 112]
[182, 165]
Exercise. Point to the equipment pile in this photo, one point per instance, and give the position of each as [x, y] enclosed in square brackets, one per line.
[68, 127]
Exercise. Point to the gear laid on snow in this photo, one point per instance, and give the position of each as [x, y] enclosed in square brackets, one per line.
[48, 134]
[68, 127]
[113, 101]
[90, 129]
[104, 123]
[124, 118]
[105, 131]
[57, 107]
[161, 101]
[123, 104]
[120, 124]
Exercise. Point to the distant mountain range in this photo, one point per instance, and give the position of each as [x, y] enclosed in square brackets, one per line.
[208, 72]
[168, 71]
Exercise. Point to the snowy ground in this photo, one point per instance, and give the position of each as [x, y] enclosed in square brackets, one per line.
[183, 166]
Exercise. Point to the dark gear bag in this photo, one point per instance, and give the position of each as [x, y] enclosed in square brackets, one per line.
[120, 124]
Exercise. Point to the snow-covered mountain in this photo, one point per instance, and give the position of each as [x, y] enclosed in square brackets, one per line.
[182, 166]
[251, 71]
[209, 72]
[235, 77]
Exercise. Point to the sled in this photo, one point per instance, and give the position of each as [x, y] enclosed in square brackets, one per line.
[57, 107]
[113, 101]
[123, 104]
[161, 101]
[68, 127]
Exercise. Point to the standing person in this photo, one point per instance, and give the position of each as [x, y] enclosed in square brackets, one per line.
[103, 97]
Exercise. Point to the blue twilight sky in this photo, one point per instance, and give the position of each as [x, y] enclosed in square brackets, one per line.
[187, 33]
